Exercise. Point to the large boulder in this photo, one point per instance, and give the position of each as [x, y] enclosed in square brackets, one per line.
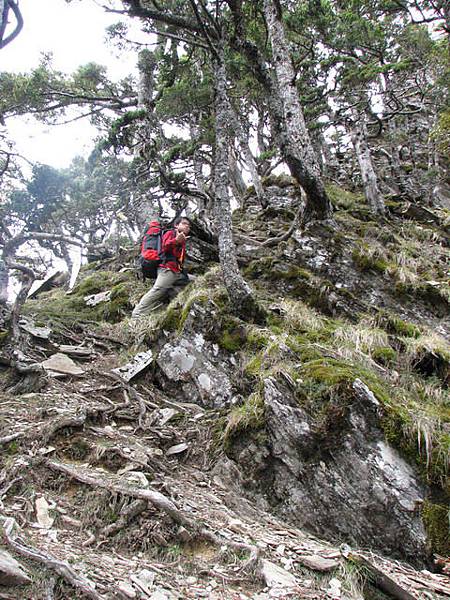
[348, 484]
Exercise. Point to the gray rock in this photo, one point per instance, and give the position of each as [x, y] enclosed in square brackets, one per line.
[61, 364]
[192, 361]
[127, 589]
[95, 299]
[318, 563]
[140, 363]
[177, 449]
[42, 333]
[347, 483]
[274, 575]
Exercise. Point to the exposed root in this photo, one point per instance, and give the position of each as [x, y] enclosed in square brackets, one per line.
[63, 569]
[190, 527]
[10, 438]
[126, 515]
[156, 499]
[60, 422]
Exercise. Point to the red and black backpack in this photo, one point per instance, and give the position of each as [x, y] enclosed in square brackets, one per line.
[151, 253]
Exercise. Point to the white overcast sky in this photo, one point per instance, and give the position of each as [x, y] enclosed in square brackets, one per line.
[75, 34]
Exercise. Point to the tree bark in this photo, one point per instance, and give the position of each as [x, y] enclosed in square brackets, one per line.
[146, 67]
[237, 288]
[300, 155]
[5, 7]
[249, 159]
[286, 116]
[4, 278]
[194, 131]
[237, 183]
[369, 178]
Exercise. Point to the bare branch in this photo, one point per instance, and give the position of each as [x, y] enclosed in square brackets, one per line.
[16, 241]
[10, 4]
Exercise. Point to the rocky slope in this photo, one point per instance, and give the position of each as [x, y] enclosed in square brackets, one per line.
[194, 454]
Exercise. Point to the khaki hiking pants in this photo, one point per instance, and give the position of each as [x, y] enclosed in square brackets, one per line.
[162, 288]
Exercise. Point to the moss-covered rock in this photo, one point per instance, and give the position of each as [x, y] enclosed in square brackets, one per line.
[385, 355]
[369, 258]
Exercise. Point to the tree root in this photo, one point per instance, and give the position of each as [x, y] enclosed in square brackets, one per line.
[61, 422]
[126, 515]
[46, 432]
[63, 569]
[161, 502]
[10, 438]
[156, 499]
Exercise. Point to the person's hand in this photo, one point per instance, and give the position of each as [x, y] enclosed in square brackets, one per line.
[180, 237]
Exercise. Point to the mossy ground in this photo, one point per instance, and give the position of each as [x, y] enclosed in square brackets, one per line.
[57, 307]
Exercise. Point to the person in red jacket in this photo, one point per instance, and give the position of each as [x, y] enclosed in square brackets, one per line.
[170, 271]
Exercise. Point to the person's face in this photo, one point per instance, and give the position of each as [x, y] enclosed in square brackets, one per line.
[183, 227]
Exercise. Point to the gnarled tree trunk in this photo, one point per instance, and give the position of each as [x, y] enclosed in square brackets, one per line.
[297, 149]
[239, 291]
[249, 159]
[369, 177]
[286, 116]
[146, 68]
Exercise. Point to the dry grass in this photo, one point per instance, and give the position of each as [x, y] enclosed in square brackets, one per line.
[300, 317]
[360, 339]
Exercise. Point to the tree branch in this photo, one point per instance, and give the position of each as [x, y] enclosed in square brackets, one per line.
[10, 4]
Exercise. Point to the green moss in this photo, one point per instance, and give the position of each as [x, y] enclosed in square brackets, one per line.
[118, 305]
[384, 355]
[56, 307]
[257, 339]
[197, 298]
[333, 371]
[12, 448]
[171, 318]
[393, 324]
[342, 198]
[177, 312]
[291, 272]
[440, 458]
[262, 267]
[271, 268]
[94, 284]
[254, 366]
[367, 258]
[434, 295]
[234, 334]
[395, 422]
[436, 520]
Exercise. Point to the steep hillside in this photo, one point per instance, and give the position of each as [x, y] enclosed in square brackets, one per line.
[193, 454]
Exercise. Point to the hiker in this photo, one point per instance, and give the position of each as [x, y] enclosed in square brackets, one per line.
[170, 273]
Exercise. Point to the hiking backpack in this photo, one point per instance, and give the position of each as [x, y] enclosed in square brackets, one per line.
[151, 255]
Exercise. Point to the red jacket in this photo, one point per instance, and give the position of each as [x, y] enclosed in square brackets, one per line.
[173, 252]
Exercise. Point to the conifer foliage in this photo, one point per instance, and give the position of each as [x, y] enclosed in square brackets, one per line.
[354, 93]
